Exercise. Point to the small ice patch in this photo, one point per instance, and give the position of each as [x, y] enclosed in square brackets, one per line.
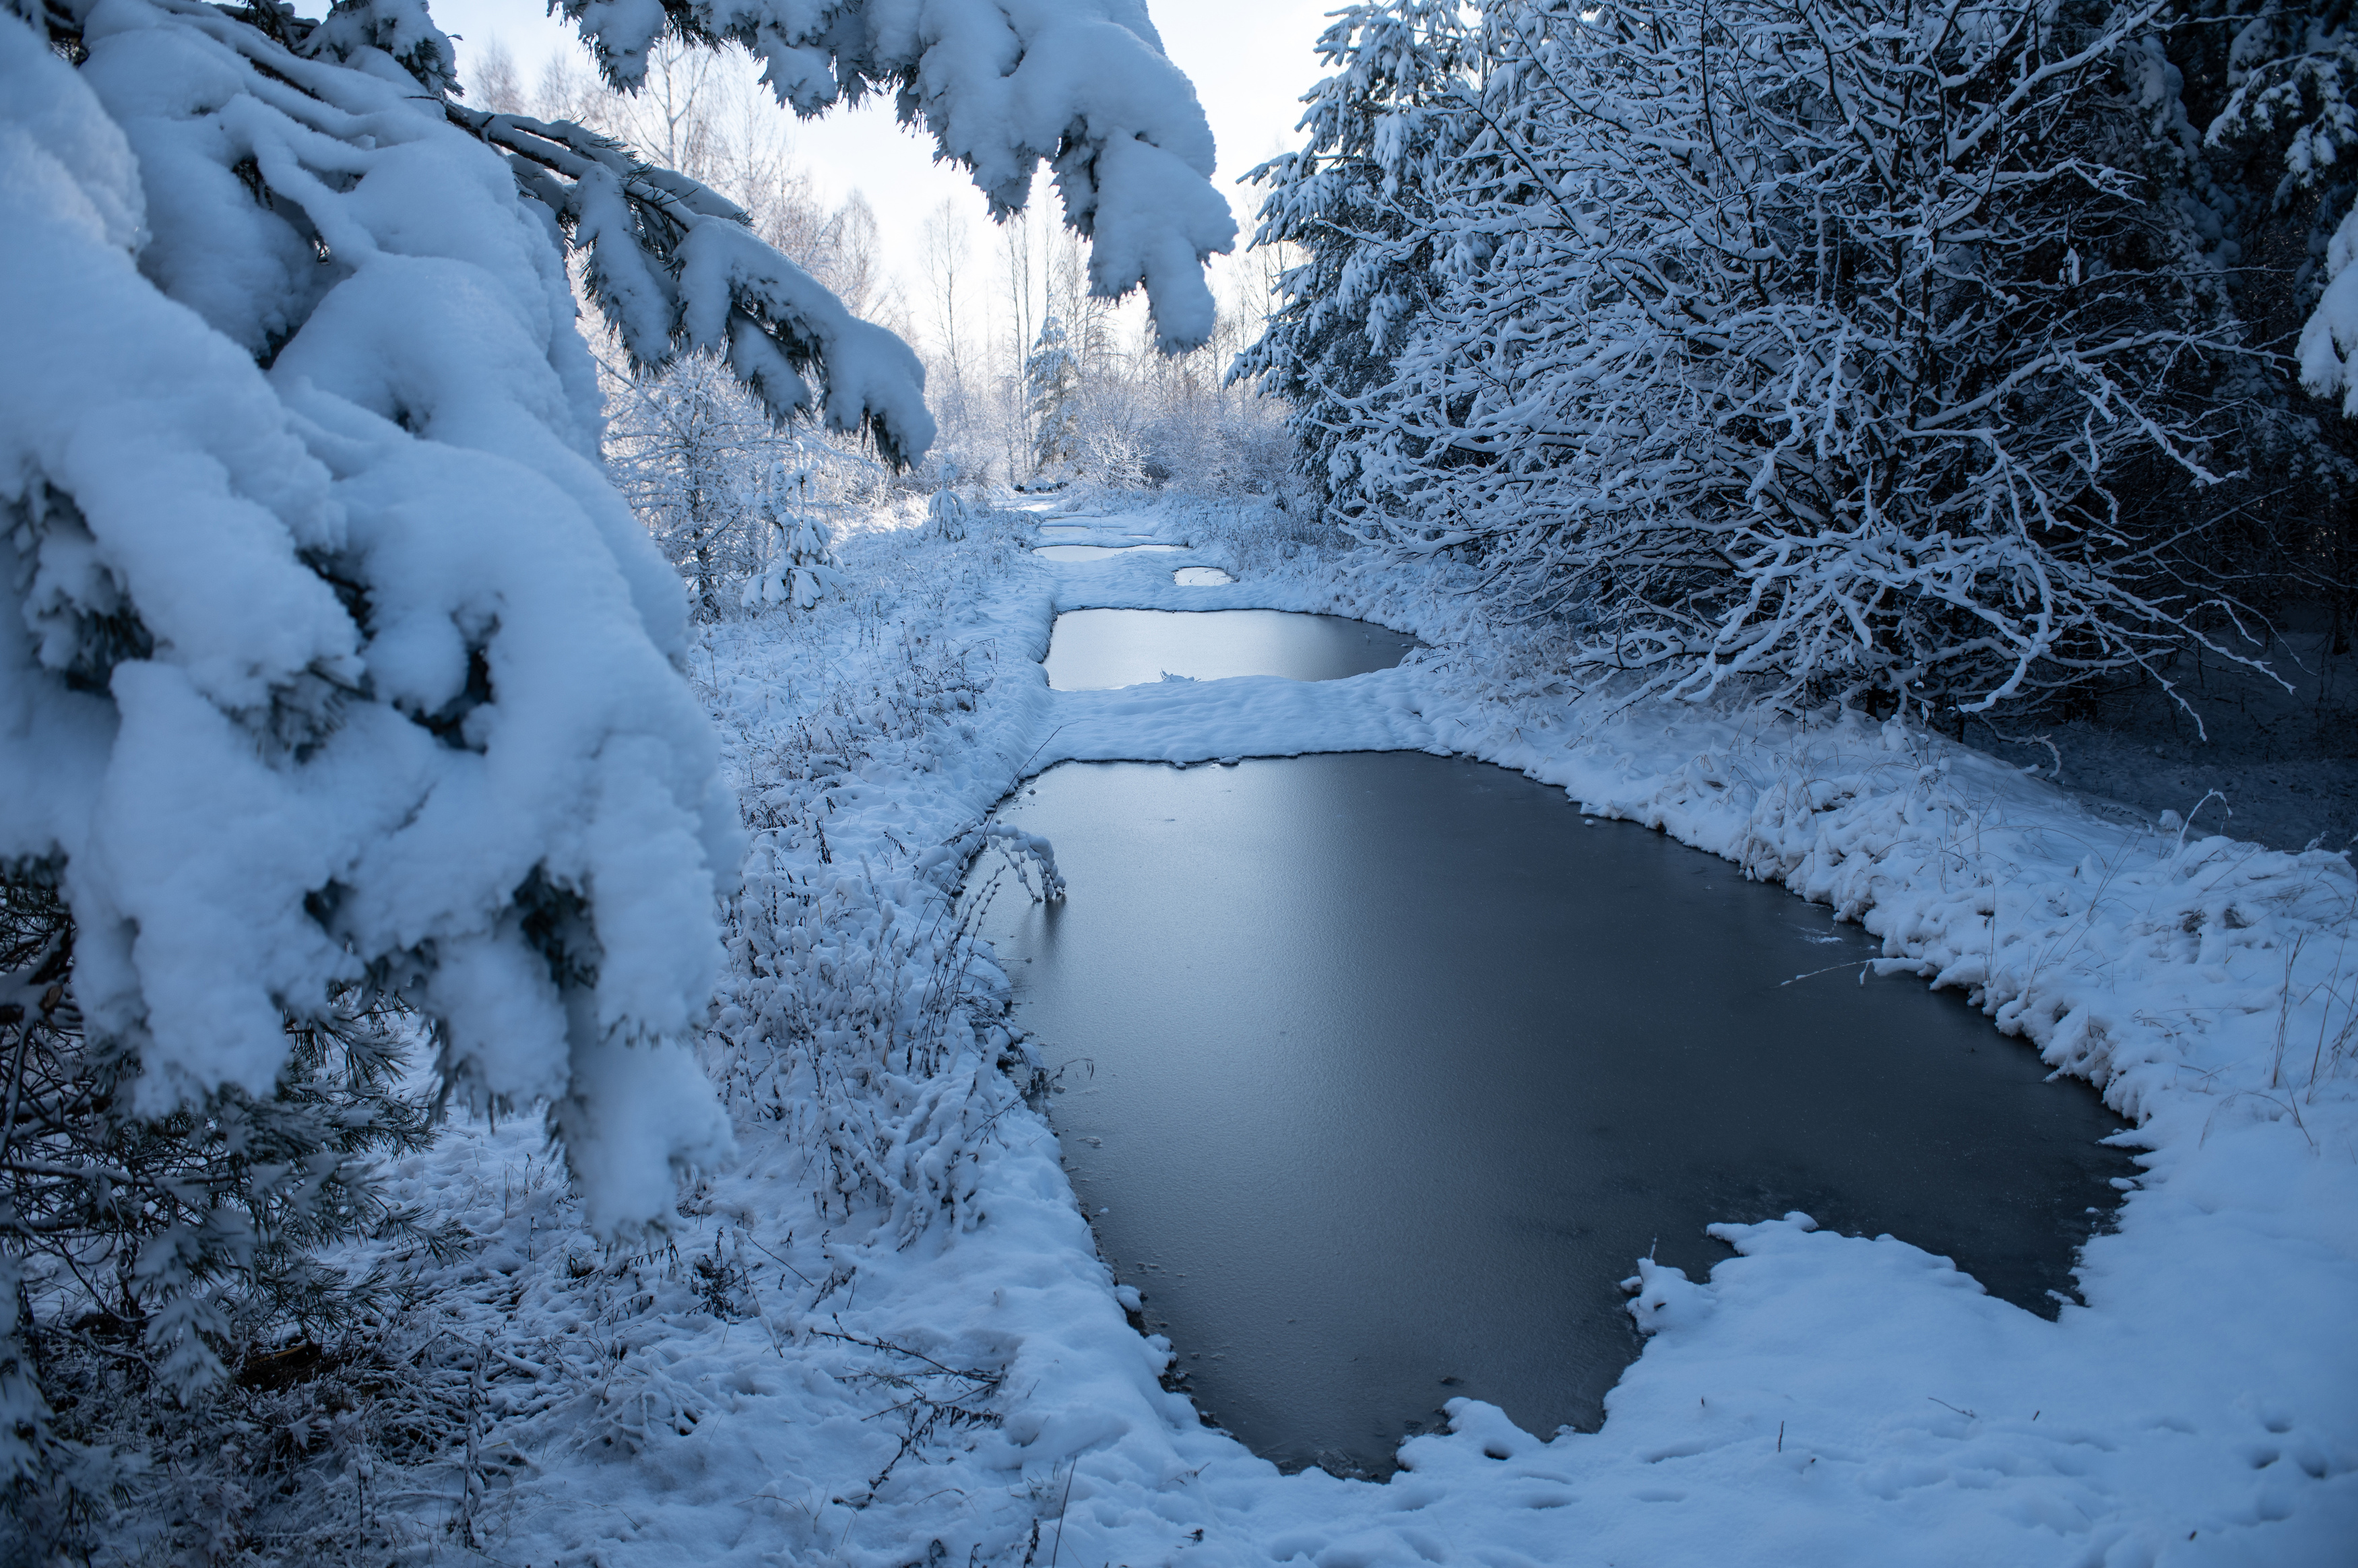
[1200, 576]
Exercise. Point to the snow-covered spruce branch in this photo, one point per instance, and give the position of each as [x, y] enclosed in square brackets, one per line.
[338, 677]
[674, 267]
[340, 663]
[399, 621]
[1079, 85]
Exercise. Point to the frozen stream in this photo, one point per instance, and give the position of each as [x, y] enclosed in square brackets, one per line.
[1100, 552]
[1094, 649]
[1382, 1068]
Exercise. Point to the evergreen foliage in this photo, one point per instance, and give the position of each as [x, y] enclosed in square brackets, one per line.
[802, 568]
[148, 1259]
[340, 699]
[1052, 382]
[1357, 203]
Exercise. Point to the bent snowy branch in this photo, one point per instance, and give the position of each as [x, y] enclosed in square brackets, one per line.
[674, 267]
[334, 657]
[1080, 85]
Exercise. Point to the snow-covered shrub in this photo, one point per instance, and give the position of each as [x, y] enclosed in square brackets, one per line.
[856, 1012]
[800, 568]
[1257, 535]
[1112, 453]
[1119, 423]
[946, 512]
[688, 447]
[1762, 360]
[738, 505]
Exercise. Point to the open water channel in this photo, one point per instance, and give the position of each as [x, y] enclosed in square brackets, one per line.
[1379, 1070]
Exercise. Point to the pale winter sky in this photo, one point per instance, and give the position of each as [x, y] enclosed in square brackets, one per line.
[1250, 61]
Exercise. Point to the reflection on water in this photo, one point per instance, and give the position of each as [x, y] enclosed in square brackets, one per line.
[1092, 649]
[1385, 1068]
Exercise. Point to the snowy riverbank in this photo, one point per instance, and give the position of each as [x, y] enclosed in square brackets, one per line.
[884, 1338]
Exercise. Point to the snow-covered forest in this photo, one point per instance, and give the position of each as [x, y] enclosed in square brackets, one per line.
[524, 607]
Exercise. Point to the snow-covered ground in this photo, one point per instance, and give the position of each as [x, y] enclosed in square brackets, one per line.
[2274, 764]
[884, 1338]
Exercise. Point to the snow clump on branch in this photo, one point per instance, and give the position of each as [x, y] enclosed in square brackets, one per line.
[338, 660]
[1080, 85]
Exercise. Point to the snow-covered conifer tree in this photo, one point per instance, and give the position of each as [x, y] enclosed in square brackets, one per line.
[800, 568]
[945, 508]
[1356, 200]
[2291, 72]
[2253, 106]
[1052, 383]
[334, 664]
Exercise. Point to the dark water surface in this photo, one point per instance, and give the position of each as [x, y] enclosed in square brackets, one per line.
[1384, 1068]
[1092, 649]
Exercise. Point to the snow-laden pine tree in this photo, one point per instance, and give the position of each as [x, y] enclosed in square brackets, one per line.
[2290, 71]
[1818, 345]
[1052, 389]
[798, 567]
[334, 665]
[1357, 202]
[2257, 105]
[945, 510]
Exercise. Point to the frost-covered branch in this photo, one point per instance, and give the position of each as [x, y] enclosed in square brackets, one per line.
[1793, 343]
